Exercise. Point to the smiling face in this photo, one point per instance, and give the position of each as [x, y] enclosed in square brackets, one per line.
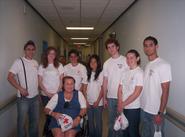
[51, 56]
[73, 58]
[69, 84]
[132, 60]
[29, 51]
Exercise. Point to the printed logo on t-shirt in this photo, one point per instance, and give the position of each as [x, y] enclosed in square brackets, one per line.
[151, 72]
[78, 71]
[120, 66]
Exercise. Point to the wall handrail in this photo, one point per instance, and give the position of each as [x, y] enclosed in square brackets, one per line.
[6, 105]
[176, 118]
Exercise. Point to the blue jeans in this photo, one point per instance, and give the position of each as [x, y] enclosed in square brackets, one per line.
[47, 132]
[28, 107]
[148, 125]
[133, 117]
[95, 121]
[112, 108]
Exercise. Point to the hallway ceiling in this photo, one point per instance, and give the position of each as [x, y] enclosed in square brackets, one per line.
[99, 14]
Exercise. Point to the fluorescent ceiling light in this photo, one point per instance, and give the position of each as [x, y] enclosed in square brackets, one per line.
[79, 38]
[79, 28]
[79, 43]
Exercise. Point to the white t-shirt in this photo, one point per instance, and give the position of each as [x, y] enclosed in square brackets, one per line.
[129, 80]
[78, 72]
[94, 88]
[54, 100]
[31, 67]
[156, 72]
[51, 77]
[113, 69]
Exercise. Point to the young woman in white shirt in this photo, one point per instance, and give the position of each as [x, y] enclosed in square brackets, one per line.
[129, 91]
[94, 96]
[50, 76]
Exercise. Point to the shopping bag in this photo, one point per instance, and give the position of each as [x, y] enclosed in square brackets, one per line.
[66, 122]
[121, 122]
[124, 122]
[157, 132]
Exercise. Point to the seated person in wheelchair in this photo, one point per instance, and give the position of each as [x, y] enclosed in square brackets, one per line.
[70, 103]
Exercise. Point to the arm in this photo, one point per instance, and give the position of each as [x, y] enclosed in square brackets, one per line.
[13, 82]
[83, 109]
[120, 102]
[60, 85]
[50, 107]
[99, 98]
[164, 99]
[105, 83]
[134, 96]
[165, 94]
[43, 88]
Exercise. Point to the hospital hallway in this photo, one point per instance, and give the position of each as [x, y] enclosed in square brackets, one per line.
[85, 25]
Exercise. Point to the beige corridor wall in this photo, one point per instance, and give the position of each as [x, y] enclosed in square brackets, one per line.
[16, 27]
[165, 20]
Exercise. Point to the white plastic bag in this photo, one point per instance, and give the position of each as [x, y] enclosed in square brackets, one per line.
[157, 132]
[121, 122]
[66, 122]
[124, 122]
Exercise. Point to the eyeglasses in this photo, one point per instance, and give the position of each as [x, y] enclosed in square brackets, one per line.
[66, 104]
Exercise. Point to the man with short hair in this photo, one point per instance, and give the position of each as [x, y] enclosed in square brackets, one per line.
[112, 70]
[157, 77]
[25, 68]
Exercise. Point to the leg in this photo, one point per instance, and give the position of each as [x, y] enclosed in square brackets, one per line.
[112, 108]
[57, 132]
[147, 124]
[126, 131]
[98, 121]
[46, 130]
[133, 116]
[70, 133]
[91, 121]
[22, 110]
[34, 117]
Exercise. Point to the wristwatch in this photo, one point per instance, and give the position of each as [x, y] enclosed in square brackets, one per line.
[160, 113]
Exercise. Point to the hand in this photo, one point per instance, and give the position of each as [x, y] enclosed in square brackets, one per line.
[95, 104]
[76, 121]
[105, 103]
[56, 115]
[88, 105]
[50, 95]
[158, 119]
[23, 92]
[119, 107]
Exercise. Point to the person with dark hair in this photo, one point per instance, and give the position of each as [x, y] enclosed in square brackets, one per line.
[94, 96]
[112, 71]
[129, 91]
[68, 102]
[50, 76]
[30, 42]
[26, 69]
[62, 60]
[76, 70]
[157, 78]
